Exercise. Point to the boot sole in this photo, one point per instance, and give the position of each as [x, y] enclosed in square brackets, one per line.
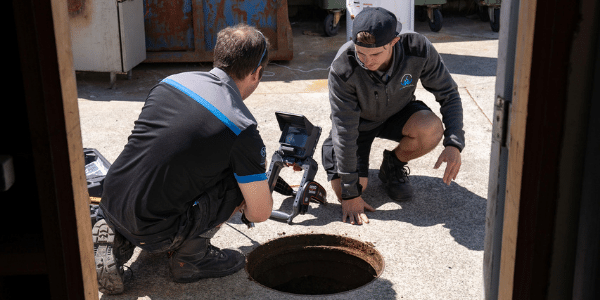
[110, 277]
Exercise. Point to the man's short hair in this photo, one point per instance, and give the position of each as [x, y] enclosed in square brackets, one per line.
[364, 37]
[378, 22]
[240, 50]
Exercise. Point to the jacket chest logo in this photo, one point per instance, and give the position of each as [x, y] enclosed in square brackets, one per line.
[406, 81]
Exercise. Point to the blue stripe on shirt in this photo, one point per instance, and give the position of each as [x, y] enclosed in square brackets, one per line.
[204, 103]
[250, 178]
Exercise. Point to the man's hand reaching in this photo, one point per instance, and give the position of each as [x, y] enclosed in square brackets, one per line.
[354, 211]
[451, 156]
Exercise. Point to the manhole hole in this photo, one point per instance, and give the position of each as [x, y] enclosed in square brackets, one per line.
[314, 264]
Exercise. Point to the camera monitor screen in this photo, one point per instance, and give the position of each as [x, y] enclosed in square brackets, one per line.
[296, 136]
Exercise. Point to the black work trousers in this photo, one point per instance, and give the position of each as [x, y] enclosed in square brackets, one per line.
[209, 210]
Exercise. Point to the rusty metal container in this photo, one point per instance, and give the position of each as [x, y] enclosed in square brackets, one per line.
[186, 30]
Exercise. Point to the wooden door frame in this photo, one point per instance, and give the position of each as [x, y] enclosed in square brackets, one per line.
[50, 96]
[547, 132]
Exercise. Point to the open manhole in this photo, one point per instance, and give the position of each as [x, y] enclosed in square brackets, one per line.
[314, 264]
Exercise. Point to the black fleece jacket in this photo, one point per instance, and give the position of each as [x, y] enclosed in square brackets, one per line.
[361, 101]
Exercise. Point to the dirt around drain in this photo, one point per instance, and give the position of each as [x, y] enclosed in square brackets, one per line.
[314, 264]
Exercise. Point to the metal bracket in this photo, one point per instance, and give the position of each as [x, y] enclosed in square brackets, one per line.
[500, 128]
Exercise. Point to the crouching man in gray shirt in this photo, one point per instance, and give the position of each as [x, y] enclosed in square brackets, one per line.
[372, 83]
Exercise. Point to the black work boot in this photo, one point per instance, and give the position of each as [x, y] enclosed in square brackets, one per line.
[111, 251]
[394, 175]
[197, 259]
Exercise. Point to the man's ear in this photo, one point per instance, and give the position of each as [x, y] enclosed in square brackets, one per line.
[256, 75]
[394, 41]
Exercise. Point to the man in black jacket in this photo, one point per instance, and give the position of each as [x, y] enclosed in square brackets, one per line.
[372, 82]
[193, 159]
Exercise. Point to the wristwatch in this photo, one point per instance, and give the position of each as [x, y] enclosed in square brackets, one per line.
[359, 188]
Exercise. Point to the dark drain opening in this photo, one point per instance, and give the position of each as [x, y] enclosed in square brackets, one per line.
[314, 264]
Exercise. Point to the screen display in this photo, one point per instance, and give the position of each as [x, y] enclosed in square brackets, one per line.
[296, 136]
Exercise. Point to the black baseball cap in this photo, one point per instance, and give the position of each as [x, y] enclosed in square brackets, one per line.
[379, 22]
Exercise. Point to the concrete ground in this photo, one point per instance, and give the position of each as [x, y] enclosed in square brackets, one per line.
[432, 247]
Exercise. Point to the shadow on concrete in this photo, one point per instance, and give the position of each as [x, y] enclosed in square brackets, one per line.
[457, 208]
[457, 27]
[470, 65]
[378, 289]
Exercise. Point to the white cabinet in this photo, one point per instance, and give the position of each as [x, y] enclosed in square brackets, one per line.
[107, 35]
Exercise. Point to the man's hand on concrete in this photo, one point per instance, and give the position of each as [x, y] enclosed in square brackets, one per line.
[354, 211]
[451, 156]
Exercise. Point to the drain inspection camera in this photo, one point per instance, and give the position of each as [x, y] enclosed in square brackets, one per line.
[297, 145]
